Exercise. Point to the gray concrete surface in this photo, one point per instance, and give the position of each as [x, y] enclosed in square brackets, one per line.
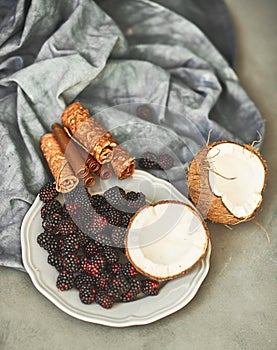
[235, 307]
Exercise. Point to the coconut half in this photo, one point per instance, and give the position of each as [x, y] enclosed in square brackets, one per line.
[166, 239]
[226, 181]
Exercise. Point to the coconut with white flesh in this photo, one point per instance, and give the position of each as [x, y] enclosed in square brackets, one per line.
[166, 239]
[226, 181]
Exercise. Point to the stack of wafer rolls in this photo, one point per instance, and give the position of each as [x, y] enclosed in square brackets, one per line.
[59, 166]
[80, 147]
[96, 140]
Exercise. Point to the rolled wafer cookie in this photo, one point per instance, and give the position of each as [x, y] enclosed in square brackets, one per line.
[74, 115]
[105, 172]
[88, 132]
[92, 164]
[123, 164]
[70, 150]
[59, 166]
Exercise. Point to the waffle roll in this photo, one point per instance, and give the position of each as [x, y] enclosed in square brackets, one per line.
[96, 140]
[59, 166]
[105, 172]
[70, 150]
[88, 132]
[122, 162]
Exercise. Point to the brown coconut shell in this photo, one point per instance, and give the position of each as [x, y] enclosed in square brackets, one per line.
[210, 205]
[157, 278]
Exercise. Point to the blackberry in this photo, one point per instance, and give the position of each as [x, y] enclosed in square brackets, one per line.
[117, 286]
[115, 269]
[132, 293]
[135, 286]
[72, 208]
[111, 254]
[83, 239]
[97, 201]
[65, 281]
[148, 160]
[47, 242]
[145, 111]
[149, 287]
[165, 161]
[43, 239]
[118, 236]
[104, 237]
[129, 270]
[56, 260]
[78, 194]
[52, 245]
[46, 225]
[75, 200]
[93, 266]
[128, 296]
[48, 192]
[136, 200]
[87, 294]
[125, 218]
[71, 263]
[54, 219]
[51, 207]
[102, 281]
[69, 244]
[104, 300]
[91, 248]
[67, 227]
[83, 280]
[95, 225]
[115, 196]
[101, 206]
[114, 217]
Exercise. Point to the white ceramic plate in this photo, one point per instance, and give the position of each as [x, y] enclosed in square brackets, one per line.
[171, 298]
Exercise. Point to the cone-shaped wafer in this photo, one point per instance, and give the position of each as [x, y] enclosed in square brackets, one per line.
[59, 166]
[70, 151]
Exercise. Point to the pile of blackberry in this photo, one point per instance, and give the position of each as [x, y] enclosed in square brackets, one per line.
[150, 160]
[84, 237]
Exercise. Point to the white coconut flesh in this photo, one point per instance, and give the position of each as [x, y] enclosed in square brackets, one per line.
[166, 239]
[237, 175]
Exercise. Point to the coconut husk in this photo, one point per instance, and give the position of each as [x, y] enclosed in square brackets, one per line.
[209, 205]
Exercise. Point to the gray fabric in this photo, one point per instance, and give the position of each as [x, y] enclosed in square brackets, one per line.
[123, 54]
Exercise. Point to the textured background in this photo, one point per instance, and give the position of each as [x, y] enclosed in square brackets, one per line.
[236, 305]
